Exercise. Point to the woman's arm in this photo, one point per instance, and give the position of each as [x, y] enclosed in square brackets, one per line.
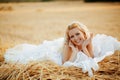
[85, 50]
[66, 53]
[87, 47]
[90, 46]
[90, 49]
[74, 51]
[73, 57]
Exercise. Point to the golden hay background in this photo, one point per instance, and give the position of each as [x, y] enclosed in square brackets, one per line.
[35, 22]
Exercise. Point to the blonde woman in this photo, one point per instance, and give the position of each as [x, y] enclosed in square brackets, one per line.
[83, 50]
[77, 38]
[79, 48]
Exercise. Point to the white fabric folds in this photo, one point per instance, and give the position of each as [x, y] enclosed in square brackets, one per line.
[51, 50]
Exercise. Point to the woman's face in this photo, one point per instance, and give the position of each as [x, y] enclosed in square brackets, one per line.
[76, 36]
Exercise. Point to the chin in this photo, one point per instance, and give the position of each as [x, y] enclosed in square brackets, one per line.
[78, 44]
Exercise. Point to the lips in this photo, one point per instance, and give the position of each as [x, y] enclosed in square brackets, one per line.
[78, 40]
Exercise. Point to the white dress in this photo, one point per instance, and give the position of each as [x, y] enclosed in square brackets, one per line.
[51, 50]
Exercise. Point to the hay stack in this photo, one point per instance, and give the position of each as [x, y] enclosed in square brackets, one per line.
[47, 70]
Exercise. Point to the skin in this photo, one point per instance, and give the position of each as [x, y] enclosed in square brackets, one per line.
[76, 38]
[77, 42]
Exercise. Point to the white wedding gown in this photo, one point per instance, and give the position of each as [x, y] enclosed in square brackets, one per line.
[51, 50]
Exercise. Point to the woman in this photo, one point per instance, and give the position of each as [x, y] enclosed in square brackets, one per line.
[79, 48]
[83, 50]
[78, 38]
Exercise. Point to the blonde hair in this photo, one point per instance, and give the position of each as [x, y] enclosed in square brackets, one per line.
[78, 25]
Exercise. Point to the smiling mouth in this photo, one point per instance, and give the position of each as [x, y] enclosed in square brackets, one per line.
[78, 41]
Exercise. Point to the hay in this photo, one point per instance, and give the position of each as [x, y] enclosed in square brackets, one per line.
[47, 70]
[42, 21]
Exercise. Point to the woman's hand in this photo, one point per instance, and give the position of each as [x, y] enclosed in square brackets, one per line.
[74, 49]
[86, 46]
[74, 52]
[87, 41]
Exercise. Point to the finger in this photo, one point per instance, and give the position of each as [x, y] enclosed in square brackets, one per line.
[91, 35]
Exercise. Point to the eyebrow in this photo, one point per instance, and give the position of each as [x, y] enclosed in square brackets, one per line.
[77, 33]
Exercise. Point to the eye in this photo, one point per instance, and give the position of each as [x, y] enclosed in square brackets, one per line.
[71, 36]
[77, 34]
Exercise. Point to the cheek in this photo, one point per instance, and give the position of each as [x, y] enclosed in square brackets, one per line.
[72, 40]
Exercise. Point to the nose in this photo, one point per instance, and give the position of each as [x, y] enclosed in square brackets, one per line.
[75, 38]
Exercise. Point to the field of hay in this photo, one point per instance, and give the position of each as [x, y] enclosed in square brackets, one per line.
[35, 22]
